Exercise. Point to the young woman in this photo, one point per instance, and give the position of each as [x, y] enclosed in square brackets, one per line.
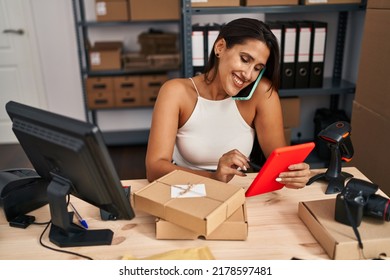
[200, 126]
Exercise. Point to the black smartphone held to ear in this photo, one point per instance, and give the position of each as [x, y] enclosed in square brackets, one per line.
[246, 93]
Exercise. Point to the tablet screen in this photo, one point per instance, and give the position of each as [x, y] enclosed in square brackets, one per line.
[278, 162]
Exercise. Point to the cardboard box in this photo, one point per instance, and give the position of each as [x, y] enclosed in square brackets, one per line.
[291, 109]
[158, 43]
[189, 209]
[154, 10]
[322, 2]
[378, 4]
[215, 3]
[370, 136]
[234, 228]
[373, 84]
[100, 92]
[105, 56]
[339, 240]
[151, 85]
[111, 10]
[270, 2]
[127, 91]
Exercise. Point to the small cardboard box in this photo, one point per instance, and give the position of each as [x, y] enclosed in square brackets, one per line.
[127, 91]
[105, 56]
[316, 2]
[270, 2]
[234, 228]
[215, 3]
[201, 211]
[111, 10]
[339, 240]
[154, 10]
[100, 92]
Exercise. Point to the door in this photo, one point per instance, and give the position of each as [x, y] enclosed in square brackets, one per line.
[20, 74]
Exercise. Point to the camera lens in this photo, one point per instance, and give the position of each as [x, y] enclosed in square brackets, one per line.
[378, 206]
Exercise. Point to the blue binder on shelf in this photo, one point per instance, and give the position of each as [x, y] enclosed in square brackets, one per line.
[317, 53]
[289, 36]
[303, 45]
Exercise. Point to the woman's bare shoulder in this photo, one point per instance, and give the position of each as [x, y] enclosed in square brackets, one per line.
[175, 85]
[177, 88]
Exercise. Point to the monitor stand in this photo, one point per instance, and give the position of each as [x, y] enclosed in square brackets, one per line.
[63, 232]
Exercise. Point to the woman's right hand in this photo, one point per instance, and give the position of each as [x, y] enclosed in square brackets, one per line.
[230, 164]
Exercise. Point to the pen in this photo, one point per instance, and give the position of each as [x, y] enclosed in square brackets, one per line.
[254, 166]
[81, 220]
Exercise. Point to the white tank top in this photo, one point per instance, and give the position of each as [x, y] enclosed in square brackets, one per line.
[214, 128]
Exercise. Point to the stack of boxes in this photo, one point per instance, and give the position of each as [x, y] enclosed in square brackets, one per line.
[158, 51]
[123, 91]
[137, 10]
[188, 206]
[370, 114]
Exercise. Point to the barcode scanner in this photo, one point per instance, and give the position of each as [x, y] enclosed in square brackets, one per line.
[338, 139]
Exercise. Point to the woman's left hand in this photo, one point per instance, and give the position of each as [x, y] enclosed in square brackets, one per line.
[297, 176]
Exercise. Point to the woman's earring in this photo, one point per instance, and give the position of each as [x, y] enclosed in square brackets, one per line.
[217, 54]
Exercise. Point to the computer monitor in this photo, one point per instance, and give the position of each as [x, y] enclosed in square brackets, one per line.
[72, 156]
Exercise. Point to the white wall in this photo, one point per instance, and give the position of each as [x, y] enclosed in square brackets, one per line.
[58, 54]
[56, 38]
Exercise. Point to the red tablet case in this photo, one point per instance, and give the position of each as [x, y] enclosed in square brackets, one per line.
[278, 162]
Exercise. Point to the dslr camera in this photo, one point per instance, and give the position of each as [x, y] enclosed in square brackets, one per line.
[358, 199]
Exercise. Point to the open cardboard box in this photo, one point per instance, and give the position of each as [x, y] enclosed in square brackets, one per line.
[234, 228]
[339, 240]
[201, 214]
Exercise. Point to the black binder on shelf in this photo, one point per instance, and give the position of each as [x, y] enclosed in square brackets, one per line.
[198, 48]
[317, 53]
[302, 64]
[289, 36]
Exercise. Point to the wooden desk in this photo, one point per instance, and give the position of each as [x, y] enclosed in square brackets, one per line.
[275, 230]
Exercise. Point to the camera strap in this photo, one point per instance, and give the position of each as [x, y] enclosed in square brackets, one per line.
[352, 222]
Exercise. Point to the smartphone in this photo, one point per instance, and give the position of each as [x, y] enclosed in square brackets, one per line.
[246, 93]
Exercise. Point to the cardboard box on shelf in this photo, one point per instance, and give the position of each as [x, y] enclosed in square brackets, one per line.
[158, 43]
[270, 2]
[127, 91]
[111, 10]
[234, 228]
[191, 201]
[154, 10]
[215, 3]
[322, 2]
[291, 109]
[105, 56]
[100, 92]
[339, 240]
[151, 85]
[136, 60]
